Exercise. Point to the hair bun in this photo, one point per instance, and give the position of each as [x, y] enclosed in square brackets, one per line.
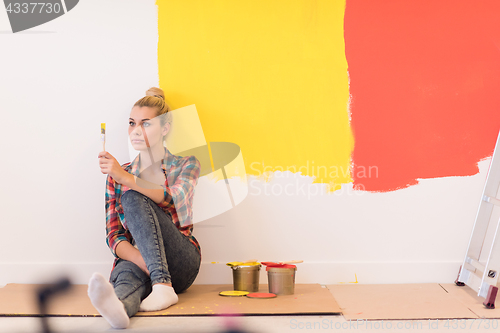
[155, 92]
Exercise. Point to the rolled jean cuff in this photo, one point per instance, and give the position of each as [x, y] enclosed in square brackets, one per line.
[161, 280]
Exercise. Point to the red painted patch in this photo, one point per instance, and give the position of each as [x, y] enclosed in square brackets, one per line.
[425, 86]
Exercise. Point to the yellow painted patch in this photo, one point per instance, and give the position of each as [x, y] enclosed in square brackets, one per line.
[236, 293]
[270, 76]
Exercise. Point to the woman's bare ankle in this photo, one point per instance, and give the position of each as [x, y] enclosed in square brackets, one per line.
[165, 284]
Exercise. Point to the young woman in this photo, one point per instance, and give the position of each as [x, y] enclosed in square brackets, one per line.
[148, 220]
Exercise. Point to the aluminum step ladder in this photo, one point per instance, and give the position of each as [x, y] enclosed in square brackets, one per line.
[481, 265]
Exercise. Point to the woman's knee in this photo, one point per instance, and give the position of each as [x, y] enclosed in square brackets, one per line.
[134, 205]
[130, 197]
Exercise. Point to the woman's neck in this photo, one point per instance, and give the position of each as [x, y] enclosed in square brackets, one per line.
[152, 156]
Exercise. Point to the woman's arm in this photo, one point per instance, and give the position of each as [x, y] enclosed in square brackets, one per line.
[126, 251]
[153, 191]
[117, 237]
[115, 233]
[181, 193]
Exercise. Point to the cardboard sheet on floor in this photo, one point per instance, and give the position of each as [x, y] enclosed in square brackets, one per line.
[469, 298]
[205, 299]
[398, 301]
[20, 300]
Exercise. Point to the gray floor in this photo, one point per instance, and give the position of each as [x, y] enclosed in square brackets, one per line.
[249, 324]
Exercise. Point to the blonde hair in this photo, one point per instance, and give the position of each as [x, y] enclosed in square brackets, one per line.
[155, 98]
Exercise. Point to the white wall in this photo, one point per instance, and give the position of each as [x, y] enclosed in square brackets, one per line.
[59, 81]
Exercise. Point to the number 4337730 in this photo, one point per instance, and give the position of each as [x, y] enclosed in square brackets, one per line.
[33, 7]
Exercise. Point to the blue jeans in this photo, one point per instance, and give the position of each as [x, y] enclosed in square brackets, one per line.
[169, 255]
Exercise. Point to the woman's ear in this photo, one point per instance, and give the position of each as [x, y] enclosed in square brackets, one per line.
[165, 129]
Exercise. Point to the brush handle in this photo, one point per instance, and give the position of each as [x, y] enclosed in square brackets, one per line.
[103, 139]
[291, 262]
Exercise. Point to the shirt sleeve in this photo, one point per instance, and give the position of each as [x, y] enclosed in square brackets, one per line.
[115, 232]
[181, 193]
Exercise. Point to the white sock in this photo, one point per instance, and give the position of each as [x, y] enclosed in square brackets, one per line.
[103, 298]
[160, 298]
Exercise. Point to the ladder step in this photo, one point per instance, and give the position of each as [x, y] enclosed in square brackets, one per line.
[476, 264]
[491, 200]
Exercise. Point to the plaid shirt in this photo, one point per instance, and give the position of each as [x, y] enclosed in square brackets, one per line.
[182, 175]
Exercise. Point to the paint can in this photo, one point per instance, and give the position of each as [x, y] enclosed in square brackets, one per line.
[281, 279]
[246, 277]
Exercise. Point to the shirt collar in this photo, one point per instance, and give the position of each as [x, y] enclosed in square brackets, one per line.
[167, 160]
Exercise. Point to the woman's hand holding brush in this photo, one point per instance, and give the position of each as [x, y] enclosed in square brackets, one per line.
[110, 166]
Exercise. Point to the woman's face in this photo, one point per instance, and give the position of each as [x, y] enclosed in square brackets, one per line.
[144, 128]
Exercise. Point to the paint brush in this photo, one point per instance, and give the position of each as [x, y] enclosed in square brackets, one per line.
[291, 262]
[238, 263]
[103, 136]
